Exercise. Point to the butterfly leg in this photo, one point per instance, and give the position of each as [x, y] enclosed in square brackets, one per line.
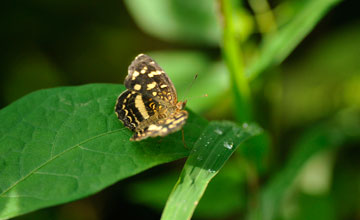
[183, 139]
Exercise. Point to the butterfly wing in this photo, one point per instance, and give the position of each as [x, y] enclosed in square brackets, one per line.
[141, 116]
[145, 76]
[134, 109]
[162, 127]
[148, 106]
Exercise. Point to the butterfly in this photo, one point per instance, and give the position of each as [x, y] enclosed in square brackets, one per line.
[149, 105]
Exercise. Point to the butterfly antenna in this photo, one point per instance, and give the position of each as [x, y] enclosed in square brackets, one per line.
[202, 96]
[189, 87]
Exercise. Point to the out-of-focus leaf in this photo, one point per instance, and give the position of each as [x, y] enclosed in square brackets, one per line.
[346, 182]
[213, 148]
[152, 192]
[279, 45]
[177, 20]
[311, 189]
[256, 151]
[243, 24]
[325, 79]
[323, 137]
[320, 207]
[30, 72]
[229, 187]
[61, 144]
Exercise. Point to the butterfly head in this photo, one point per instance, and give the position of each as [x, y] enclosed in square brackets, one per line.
[181, 105]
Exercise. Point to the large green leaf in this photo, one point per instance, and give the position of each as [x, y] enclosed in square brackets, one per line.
[210, 152]
[62, 144]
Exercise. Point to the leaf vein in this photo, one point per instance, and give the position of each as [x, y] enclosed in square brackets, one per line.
[53, 158]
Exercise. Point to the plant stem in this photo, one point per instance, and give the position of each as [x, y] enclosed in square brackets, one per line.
[233, 58]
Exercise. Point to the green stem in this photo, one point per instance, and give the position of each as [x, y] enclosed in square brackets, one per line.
[233, 58]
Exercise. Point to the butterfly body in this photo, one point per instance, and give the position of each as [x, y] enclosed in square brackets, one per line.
[149, 106]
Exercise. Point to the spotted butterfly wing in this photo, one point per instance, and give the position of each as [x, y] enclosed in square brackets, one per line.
[149, 106]
[148, 78]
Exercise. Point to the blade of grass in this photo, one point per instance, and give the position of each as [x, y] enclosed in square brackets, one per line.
[210, 152]
[277, 47]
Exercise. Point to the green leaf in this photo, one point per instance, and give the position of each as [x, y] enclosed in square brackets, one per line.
[256, 152]
[278, 46]
[312, 143]
[334, 67]
[61, 144]
[177, 20]
[213, 148]
[229, 187]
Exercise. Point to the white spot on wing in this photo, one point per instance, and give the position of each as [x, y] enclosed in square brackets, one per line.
[151, 85]
[154, 128]
[153, 73]
[137, 87]
[144, 70]
[135, 74]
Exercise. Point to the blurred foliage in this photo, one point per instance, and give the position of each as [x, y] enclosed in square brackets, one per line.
[177, 20]
[299, 61]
